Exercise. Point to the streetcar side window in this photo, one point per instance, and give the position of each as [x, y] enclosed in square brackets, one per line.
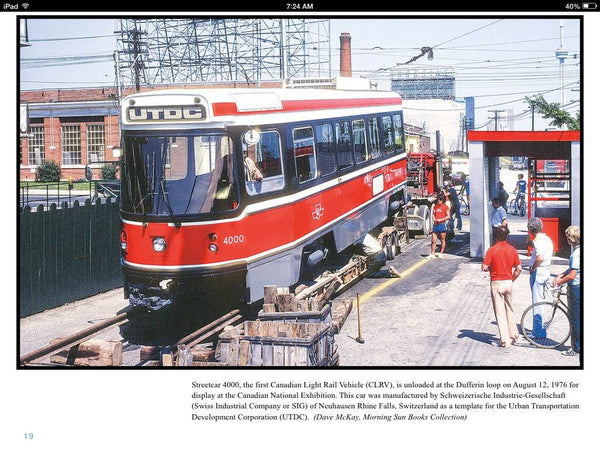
[343, 140]
[304, 154]
[325, 149]
[398, 134]
[359, 140]
[375, 148]
[264, 169]
[388, 135]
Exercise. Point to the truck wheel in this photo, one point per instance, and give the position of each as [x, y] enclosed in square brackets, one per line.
[391, 246]
[425, 213]
[396, 244]
[386, 245]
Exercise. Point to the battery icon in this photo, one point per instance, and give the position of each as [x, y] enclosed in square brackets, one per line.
[589, 5]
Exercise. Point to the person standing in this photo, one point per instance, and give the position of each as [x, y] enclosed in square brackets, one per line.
[452, 195]
[499, 218]
[572, 277]
[503, 263]
[502, 195]
[539, 270]
[441, 214]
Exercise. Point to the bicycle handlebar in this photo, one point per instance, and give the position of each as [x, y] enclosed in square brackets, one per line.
[554, 291]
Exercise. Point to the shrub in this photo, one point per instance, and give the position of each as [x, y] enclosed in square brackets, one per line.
[108, 172]
[48, 172]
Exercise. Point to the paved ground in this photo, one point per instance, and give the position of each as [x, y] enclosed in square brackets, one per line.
[440, 314]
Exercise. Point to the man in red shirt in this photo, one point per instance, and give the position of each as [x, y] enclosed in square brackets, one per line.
[441, 214]
[502, 261]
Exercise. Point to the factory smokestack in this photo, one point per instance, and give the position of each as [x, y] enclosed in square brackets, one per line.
[345, 55]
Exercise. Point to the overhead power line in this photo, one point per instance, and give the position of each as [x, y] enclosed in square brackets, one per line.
[73, 38]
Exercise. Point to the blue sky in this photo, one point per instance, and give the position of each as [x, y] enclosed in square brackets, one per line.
[498, 60]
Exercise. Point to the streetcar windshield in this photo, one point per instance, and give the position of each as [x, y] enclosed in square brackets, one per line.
[183, 174]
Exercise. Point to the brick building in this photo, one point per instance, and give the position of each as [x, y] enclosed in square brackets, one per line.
[71, 127]
[75, 127]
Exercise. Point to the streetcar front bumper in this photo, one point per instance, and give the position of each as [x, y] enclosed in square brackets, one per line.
[155, 289]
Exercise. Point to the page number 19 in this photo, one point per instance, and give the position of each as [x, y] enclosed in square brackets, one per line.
[28, 436]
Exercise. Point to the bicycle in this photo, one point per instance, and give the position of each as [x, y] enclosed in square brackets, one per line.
[464, 204]
[551, 321]
[517, 206]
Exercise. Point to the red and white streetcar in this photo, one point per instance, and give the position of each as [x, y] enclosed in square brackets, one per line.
[246, 187]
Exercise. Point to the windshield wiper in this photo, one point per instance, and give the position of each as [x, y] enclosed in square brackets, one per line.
[163, 188]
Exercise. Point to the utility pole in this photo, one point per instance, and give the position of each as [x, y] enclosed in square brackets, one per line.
[561, 54]
[134, 47]
[496, 112]
[137, 61]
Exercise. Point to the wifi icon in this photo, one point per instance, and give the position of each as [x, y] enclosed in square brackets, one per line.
[25, 5]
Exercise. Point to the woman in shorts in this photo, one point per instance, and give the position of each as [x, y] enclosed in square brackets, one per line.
[441, 214]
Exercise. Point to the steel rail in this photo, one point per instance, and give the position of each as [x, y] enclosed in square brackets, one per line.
[72, 340]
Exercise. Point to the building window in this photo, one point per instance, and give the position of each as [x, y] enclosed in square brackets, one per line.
[71, 144]
[95, 143]
[36, 146]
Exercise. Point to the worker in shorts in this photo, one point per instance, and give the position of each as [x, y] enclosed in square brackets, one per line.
[441, 214]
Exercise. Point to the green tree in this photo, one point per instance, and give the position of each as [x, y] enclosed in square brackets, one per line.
[553, 111]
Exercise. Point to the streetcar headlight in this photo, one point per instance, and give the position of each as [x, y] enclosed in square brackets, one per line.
[159, 244]
[213, 247]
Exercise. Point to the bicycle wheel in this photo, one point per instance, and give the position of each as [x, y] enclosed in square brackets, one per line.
[464, 207]
[512, 208]
[545, 325]
[522, 207]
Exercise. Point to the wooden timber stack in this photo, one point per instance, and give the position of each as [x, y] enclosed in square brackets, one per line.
[268, 343]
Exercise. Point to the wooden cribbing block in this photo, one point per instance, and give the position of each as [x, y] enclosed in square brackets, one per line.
[286, 303]
[92, 353]
[270, 293]
[244, 353]
[184, 356]
[269, 308]
[339, 313]
[203, 354]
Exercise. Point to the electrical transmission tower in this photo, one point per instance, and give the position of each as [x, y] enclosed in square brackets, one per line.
[247, 51]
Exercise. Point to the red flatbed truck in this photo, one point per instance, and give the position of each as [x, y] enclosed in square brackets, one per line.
[424, 180]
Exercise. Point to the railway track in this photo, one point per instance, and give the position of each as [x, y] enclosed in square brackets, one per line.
[198, 347]
[82, 349]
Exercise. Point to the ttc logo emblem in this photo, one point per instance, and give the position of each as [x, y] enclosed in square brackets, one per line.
[318, 212]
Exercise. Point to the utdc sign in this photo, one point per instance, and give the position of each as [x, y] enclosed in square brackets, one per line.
[166, 113]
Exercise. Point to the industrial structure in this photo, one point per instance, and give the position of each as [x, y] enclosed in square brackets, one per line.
[419, 83]
[75, 127]
[429, 94]
[235, 50]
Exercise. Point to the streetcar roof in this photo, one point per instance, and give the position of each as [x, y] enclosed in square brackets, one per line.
[231, 104]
